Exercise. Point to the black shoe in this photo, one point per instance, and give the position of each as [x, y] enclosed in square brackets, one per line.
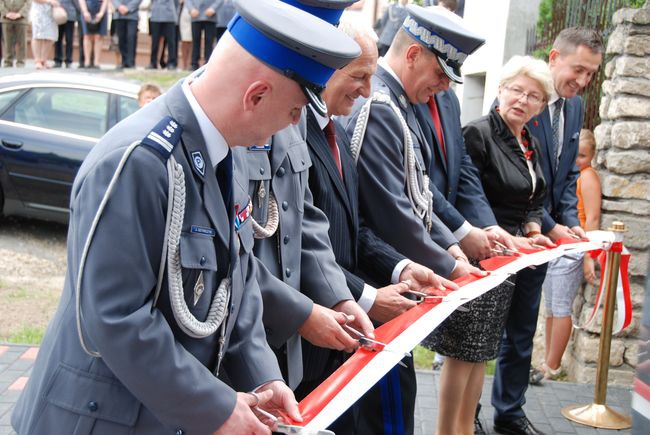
[57, 65]
[67, 64]
[151, 66]
[535, 376]
[521, 426]
[478, 427]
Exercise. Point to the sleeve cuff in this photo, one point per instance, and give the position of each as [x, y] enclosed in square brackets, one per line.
[367, 299]
[464, 230]
[397, 272]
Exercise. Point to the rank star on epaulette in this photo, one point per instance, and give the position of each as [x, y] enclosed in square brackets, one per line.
[199, 162]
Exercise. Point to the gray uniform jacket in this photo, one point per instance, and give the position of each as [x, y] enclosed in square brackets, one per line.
[202, 5]
[225, 12]
[381, 178]
[299, 255]
[133, 5]
[164, 11]
[152, 378]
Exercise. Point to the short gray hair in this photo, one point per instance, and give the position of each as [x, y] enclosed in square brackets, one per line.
[357, 29]
[528, 66]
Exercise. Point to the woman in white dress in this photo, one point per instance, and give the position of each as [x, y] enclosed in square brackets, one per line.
[44, 30]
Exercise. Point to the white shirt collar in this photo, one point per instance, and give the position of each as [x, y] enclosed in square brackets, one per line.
[384, 64]
[553, 99]
[214, 140]
[320, 119]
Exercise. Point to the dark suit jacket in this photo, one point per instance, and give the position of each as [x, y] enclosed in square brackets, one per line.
[455, 176]
[561, 200]
[355, 246]
[504, 172]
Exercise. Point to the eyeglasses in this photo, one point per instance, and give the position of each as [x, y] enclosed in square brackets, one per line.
[518, 93]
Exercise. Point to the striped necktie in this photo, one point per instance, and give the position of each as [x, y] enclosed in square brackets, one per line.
[555, 125]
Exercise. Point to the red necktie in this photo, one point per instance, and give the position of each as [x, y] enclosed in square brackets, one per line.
[330, 134]
[435, 116]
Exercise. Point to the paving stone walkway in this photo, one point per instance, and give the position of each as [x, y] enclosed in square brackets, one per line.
[543, 406]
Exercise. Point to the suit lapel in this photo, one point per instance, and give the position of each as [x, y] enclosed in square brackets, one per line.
[194, 146]
[318, 142]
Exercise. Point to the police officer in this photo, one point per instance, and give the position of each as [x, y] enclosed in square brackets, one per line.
[298, 273]
[160, 289]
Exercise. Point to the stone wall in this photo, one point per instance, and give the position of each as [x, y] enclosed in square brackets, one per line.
[623, 162]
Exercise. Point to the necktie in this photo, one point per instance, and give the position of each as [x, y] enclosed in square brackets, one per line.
[435, 116]
[330, 135]
[555, 125]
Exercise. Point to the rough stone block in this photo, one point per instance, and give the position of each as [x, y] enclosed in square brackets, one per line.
[632, 15]
[628, 162]
[616, 41]
[628, 134]
[631, 356]
[637, 207]
[637, 235]
[635, 187]
[629, 106]
[630, 85]
[638, 45]
[603, 134]
[631, 66]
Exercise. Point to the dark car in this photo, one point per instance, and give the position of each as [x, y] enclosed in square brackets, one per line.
[48, 124]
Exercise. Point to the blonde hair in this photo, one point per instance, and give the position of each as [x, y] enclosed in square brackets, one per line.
[587, 137]
[528, 66]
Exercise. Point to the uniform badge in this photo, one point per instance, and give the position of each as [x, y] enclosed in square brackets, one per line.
[198, 288]
[402, 101]
[199, 163]
[205, 231]
[242, 213]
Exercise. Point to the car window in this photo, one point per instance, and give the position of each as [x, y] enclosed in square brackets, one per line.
[77, 111]
[6, 98]
[128, 105]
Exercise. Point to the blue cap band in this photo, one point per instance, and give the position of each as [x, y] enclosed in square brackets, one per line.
[277, 55]
[332, 16]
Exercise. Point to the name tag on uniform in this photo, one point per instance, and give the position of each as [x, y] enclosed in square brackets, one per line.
[205, 231]
[265, 147]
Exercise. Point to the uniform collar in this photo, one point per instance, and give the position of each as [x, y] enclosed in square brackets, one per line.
[214, 140]
[384, 64]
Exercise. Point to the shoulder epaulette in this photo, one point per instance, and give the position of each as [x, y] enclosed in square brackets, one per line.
[164, 136]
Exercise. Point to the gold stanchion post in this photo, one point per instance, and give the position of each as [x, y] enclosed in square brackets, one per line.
[598, 414]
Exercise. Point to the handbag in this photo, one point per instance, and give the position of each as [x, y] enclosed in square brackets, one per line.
[60, 15]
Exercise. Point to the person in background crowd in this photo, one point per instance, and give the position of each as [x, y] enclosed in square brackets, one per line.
[185, 36]
[125, 19]
[13, 16]
[44, 30]
[225, 11]
[564, 275]
[94, 27]
[114, 45]
[147, 93]
[162, 22]
[204, 22]
[66, 31]
[390, 23]
[507, 159]
[574, 59]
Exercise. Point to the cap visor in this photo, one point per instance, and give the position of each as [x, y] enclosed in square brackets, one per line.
[316, 101]
[453, 74]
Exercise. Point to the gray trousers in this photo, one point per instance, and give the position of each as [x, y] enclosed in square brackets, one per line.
[13, 43]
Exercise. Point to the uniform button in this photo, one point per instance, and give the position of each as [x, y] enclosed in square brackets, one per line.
[179, 432]
[262, 171]
[287, 272]
[286, 240]
[202, 261]
[93, 406]
[280, 172]
[285, 205]
[302, 162]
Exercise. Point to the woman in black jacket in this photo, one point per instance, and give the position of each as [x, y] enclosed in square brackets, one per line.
[507, 158]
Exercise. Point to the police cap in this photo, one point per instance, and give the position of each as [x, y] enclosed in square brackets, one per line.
[444, 33]
[293, 42]
[328, 10]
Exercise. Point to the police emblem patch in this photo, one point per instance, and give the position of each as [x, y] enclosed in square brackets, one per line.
[199, 163]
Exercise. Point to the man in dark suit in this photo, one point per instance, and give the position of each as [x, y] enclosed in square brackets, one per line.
[574, 59]
[334, 184]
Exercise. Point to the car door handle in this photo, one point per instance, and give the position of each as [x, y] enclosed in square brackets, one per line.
[12, 144]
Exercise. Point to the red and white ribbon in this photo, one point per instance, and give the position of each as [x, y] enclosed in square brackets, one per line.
[364, 368]
[623, 298]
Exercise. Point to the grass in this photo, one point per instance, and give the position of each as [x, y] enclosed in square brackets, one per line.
[26, 335]
[423, 358]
